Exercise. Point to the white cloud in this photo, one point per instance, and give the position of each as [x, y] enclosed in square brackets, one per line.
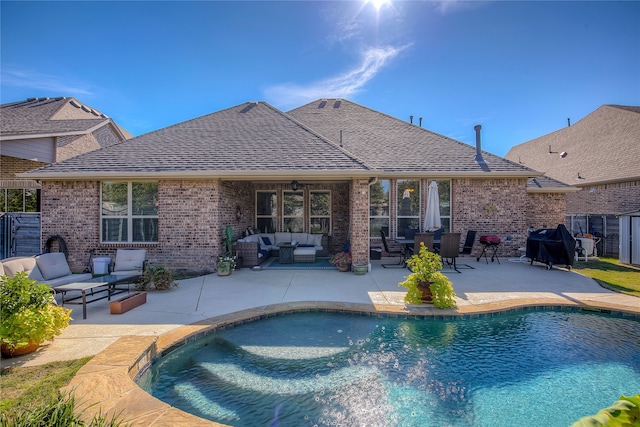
[288, 95]
[53, 86]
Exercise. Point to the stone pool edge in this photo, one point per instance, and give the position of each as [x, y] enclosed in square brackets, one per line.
[106, 384]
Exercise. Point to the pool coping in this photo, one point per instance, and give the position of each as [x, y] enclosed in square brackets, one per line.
[107, 385]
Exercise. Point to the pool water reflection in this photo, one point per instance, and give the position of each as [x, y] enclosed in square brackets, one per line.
[318, 369]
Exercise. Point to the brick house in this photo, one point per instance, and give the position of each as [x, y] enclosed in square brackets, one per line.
[37, 132]
[599, 155]
[331, 167]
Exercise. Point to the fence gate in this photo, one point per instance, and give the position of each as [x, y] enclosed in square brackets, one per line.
[603, 226]
[20, 234]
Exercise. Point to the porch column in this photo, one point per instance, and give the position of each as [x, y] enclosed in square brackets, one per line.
[359, 215]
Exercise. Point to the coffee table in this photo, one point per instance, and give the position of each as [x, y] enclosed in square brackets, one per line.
[108, 282]
[286, 253]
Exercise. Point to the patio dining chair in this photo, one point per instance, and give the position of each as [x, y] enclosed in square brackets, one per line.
[450, 249]
[468, 243]
[400, 252]
[426, 238]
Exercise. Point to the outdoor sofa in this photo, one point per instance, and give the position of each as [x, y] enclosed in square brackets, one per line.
[256, 248]
[49, 268]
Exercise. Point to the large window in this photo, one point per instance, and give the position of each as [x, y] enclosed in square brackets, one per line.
[379, 208]
[129, 212]
[266, 211]
[293, 211]
[320, 212]
[408, 206]
[444, 191]
[19, 200]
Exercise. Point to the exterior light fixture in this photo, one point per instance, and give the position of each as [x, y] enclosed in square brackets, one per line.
[294, 185]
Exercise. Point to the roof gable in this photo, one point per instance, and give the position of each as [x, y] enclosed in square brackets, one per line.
[602, 147]
[48, 116]
[395, 146]
[250, 140]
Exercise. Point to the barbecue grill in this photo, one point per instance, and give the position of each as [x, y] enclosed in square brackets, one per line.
[490, 243]
[551, 246]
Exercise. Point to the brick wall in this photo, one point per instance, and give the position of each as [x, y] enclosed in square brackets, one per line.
[503, 207]
[71, 146]
[10, 166]
[614, 198]
[359, 208]
[193, 214]
[71, 210]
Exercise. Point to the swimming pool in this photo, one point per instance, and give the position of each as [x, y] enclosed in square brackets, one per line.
[527, 368]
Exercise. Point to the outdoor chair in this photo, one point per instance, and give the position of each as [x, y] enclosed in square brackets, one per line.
[400, 252]
[129, 262]
[468, 243]
[426, 238]
[450, 249]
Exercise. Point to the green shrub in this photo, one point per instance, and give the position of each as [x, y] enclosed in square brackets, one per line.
[29, 312]
[623, 413]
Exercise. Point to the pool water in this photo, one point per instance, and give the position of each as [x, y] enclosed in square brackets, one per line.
[536, 368]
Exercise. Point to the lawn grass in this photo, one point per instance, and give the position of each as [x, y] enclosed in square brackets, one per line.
[611, 274]
[23, 387]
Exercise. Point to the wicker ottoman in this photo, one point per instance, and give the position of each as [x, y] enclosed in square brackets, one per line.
[304, 255]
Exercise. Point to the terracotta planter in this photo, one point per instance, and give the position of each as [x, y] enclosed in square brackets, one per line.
[343, 267]
[15, 352]
[128, 303]
[427, 296]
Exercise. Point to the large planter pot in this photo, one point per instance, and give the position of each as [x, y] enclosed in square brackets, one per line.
[224, 268]
[128, 303]
[427, 296]
[360, 269]
[15, 352]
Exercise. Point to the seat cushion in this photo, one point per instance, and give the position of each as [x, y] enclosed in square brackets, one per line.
[129, 259]
[14, 265]
[53, 265]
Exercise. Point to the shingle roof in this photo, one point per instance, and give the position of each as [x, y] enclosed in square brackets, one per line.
[48, 116]
[249, 140]
[255, 140]
[396, 146]
[602, 147]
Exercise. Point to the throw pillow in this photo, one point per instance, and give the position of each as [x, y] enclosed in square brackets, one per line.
[266, 241]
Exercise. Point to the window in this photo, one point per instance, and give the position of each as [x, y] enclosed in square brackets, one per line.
[19, 200]
[444, 191]
[129, 212]
[408, 196]
[320, 212]
[379, 208]
[293, 211]
[266, 211]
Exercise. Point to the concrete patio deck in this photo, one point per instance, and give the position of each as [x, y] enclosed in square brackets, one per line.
[484, 288]
[125, 344]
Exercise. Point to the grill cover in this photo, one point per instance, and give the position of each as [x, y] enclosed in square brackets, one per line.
[551, 246]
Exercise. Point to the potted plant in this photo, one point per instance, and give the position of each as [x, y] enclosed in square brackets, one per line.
[426, 284]
[226, 261]
[226, 265]
[30, 315]
[342, 260]
[160, 277]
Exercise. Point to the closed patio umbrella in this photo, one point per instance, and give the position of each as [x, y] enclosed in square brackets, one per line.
[432, 214]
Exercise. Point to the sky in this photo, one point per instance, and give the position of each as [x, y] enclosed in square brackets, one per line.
[521, 69]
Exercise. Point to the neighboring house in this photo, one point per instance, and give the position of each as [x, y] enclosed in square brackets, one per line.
[599, 155]
[331, 167]
[34, 133]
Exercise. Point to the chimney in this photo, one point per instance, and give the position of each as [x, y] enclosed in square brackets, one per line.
[420, 119]
[478, 157]
[411, 119]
